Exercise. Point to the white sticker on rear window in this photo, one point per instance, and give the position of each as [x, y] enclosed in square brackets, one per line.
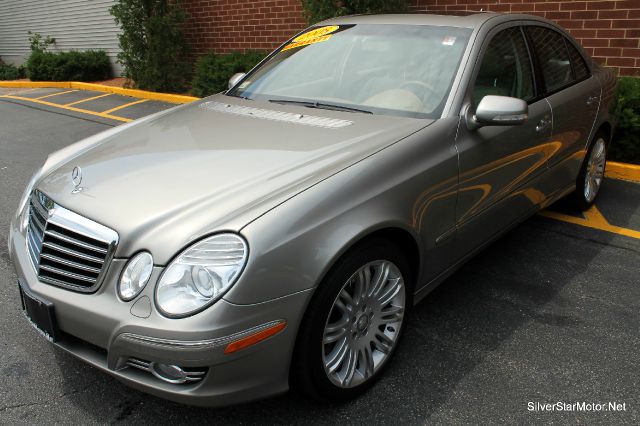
[448, 41]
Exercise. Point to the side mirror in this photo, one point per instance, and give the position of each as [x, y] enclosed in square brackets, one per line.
[236, 78]
[498, 111]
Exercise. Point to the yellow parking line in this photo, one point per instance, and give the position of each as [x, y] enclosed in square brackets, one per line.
[89, 99]
[592, 219]
[56, 94]
[24, 91]
[139, 101]
[134, 93]
[70, 108]
[594, 216]
[623, 171]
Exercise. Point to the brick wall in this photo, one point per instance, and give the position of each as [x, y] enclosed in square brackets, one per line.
[229, 25]
[609, 30]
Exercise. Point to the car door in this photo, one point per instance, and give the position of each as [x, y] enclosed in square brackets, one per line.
[498, 164]
[574, 96]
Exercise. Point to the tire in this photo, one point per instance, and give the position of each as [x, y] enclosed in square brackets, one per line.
[333, 326]
[591, 174]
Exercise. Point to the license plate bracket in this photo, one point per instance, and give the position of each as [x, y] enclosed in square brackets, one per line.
[40, 313]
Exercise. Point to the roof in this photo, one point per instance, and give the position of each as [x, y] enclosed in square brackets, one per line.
[473, 20]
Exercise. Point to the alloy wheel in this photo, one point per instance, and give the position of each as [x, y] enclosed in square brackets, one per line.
[595, 170]
[364, 324]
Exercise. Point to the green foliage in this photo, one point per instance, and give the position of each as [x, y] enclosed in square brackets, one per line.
[37, 43]
[91, 65]
[11, 72]
[318, 10]
[153, 45]
[214, 70]
[626, 141]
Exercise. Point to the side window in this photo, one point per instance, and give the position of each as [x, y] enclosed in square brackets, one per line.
[505, 69]
[553, 57]
[577, 61]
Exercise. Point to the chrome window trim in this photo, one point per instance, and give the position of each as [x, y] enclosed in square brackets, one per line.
[65, 218]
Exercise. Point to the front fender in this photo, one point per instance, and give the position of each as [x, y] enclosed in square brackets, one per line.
[293, 246]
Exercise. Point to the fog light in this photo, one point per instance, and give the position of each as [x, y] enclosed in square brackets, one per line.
[168, 373]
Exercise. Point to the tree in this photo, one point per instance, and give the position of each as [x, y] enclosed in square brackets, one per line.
[154, 50]
[318, 10]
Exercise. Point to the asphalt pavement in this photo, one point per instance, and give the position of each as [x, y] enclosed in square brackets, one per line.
[105, 108]
[549, 313]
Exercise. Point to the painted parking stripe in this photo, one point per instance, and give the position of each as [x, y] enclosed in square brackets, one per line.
[623, 171]
[70, 108]
[134, 93]
[55, 94]
[139, 101]
[592, 219]
[24, 91]
[89, 99]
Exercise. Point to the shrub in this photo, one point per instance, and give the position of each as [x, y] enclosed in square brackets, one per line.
[91, 65]
[213, 70]
[318, 10]
[10, 72]
[626, 140]
[154, 51]
[37, 43]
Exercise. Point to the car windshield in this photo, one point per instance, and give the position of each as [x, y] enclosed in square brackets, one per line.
[404, 70]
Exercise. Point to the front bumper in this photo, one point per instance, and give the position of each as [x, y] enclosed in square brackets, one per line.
[105, 332]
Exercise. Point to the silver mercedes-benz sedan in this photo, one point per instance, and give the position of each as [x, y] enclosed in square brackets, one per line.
[279, 233]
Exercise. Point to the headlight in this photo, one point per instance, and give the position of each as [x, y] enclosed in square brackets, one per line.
[201, 274]
[20, 214]
[135, 276]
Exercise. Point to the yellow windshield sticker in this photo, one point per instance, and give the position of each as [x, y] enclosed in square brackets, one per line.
[318, 32]
[314, 36]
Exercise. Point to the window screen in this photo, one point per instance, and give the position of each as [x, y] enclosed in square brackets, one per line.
[506, 68]
[553, 57]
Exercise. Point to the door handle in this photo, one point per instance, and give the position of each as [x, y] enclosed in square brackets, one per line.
[592, 99]
[543, 124]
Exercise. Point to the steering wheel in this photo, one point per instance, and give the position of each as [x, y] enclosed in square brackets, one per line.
[422, 93]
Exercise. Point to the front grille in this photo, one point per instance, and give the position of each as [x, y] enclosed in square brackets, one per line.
[66, 249]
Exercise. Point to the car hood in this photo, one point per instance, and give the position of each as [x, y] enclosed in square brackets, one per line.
[170, 179]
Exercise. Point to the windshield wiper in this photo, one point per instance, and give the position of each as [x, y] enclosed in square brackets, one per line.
[238, 96]
[320, 105]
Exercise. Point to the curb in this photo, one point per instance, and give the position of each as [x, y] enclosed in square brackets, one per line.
[142, 94]
[623, 171]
